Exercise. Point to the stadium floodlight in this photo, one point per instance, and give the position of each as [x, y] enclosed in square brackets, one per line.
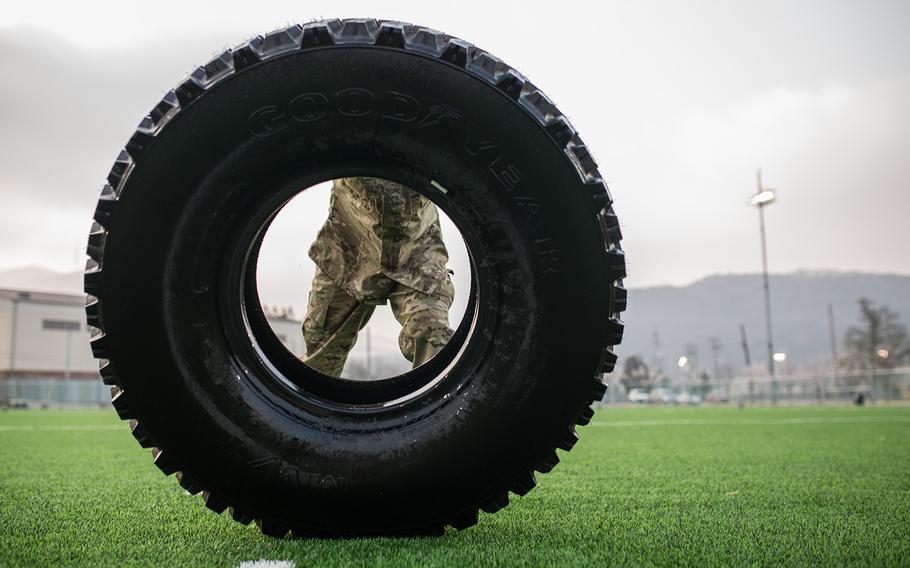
[683, 361]
[780, 357]
[763, 197]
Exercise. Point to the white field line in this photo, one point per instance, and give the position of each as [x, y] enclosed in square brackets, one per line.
[604, 424]
[266, 564]
[62, 427]
[771, 421]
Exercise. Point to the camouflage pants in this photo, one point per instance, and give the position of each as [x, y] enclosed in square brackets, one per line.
[334, 318]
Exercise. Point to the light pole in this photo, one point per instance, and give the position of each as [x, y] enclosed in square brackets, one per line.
[745, 345]
[14, 333]
[682, 363]
[762, 197]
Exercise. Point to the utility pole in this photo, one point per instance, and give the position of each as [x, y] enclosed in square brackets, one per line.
[745, 344]
[692, 356]
[714, 343]
[832, 333]
[763, 197]
[14, 333]
[657, 360]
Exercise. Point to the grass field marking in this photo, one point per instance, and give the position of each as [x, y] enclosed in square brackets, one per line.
[61, 427]
[751, 421]
[266, 564]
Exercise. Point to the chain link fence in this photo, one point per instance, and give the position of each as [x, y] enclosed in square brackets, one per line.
[878, 386]
[866, 386]
[37, 392]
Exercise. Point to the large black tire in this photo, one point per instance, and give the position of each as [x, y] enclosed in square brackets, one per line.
[172, 300]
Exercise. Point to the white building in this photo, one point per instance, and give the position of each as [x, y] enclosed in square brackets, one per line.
[289, 331]
[44, 336]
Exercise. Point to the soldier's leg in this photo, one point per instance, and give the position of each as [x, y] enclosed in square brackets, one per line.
[424, 320]
[331, 324]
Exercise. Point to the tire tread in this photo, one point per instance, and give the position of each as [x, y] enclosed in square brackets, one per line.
[387, 34]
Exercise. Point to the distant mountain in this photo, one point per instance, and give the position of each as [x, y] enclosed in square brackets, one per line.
[681, 316]
[715, 306]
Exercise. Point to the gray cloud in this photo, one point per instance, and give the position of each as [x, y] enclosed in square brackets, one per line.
[66, 111]
[680, 102]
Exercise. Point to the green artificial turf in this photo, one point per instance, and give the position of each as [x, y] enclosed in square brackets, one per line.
[662, 486]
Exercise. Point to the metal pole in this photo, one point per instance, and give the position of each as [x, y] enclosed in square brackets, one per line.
[873, 341]
[12, 346]
[692, 355]
[745, 343]
[657, 361]
[764, 265]
[832, 333]
[12, 336]
[714, 343]
[66, 362]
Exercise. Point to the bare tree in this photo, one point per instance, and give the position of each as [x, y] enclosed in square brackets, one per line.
[879, 342]
[636, 374]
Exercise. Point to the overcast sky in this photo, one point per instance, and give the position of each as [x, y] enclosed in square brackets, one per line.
[680, 102]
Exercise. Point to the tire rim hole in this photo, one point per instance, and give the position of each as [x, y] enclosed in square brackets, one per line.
[278, 276]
